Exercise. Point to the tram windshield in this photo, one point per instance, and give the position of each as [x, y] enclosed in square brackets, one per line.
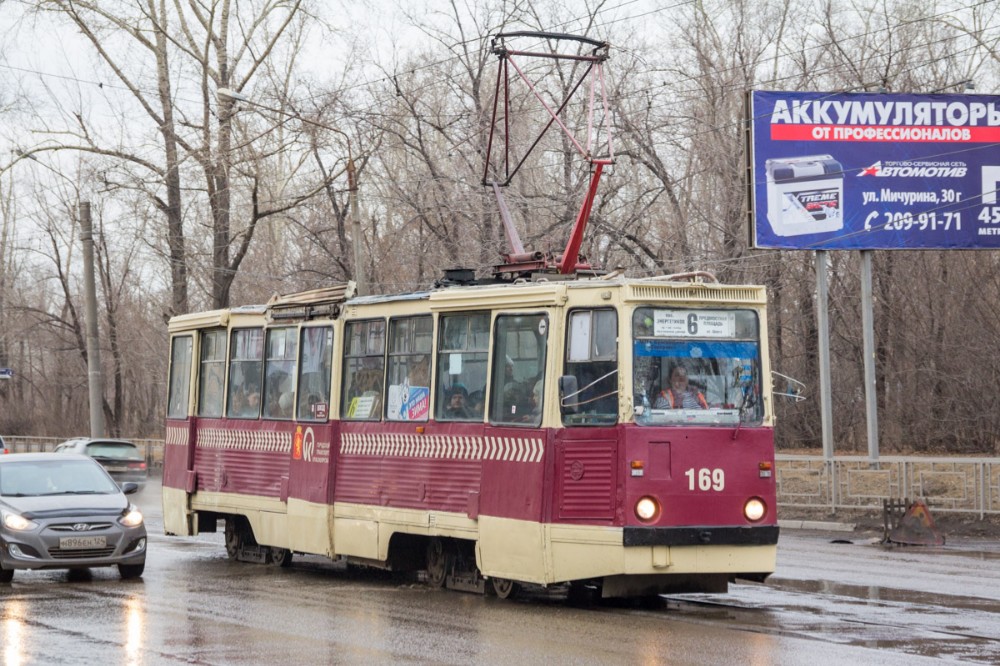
[699, 367]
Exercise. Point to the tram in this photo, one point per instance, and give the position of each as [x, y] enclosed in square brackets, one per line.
[495, 435]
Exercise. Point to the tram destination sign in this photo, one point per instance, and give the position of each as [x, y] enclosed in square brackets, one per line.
[855, 171]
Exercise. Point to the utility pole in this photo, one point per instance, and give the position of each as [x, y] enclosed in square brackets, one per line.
[95, 380]
[360, 275]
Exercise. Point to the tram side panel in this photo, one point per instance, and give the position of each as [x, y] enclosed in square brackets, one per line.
[311, 475]
[583, 533]
[512, 504]
[391, 479]
[237, 468]
[464, 481]
[178, 477]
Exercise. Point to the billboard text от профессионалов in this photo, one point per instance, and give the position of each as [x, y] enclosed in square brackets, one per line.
[856, 171]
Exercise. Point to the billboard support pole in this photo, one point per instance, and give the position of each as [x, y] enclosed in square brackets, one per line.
[823, 324]
[868, 324]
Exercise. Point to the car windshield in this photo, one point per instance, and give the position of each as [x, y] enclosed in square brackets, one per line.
[54, 477]
[116, 450]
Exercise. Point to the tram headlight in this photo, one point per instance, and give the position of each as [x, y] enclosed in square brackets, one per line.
[647, 509]
[754, 509]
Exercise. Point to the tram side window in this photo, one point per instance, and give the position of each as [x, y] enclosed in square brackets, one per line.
[316, 354]
[212, 373]
[279, 372]
[246, 352]
[180, 377]
[518, 373]
[463, 349]
[589, 392]
[364, 369]
[409, 394]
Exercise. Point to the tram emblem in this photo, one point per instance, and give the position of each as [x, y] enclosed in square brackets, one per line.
[308, 445]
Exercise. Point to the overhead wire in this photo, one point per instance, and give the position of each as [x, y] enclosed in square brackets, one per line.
[691, 78]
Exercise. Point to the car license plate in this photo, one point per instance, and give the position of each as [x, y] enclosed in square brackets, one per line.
[80, 543]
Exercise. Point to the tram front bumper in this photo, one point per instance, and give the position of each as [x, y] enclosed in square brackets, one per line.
[758, 535]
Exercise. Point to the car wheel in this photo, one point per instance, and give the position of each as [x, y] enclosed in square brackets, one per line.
[131, 570]
[6, 575]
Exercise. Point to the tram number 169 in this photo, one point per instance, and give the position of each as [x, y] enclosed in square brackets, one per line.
[706, 479]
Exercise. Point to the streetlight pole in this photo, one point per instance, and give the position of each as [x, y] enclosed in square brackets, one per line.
[360, 276]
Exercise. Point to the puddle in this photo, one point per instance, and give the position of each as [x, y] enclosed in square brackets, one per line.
[878, 593]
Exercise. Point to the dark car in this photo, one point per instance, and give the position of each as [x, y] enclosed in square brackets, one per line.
[120, 457]
[66, 512]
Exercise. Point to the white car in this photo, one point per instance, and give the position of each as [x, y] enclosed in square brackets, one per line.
[121, 458]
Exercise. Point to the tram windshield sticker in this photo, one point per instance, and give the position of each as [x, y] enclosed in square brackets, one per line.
[874, 171]
[694, 323]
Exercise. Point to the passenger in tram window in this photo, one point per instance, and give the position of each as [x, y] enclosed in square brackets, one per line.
[518, 404]
[420, 372]
[252, 407]
[284, 406]
[679, 395]
[476, 403]
[456, 407]
[246, 404]
[536, 398]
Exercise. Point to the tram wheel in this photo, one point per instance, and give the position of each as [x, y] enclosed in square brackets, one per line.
[6, 575]
[505, 588]
[280, 557]
[437, 562]
[236, 529]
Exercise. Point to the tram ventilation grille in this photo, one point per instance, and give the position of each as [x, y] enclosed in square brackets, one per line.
[658, 292]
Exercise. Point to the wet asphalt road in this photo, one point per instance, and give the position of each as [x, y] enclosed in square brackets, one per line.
[827, 604]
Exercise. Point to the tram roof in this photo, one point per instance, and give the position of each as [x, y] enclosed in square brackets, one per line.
[684, 287]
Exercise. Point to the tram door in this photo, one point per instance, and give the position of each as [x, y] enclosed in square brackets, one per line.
[311, 471]
[586, 448]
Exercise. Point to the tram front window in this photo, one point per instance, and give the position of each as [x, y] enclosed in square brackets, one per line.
[698, 367]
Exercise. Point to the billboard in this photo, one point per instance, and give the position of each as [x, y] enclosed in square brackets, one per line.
[854, 171]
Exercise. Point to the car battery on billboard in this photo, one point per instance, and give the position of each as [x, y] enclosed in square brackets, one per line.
[805, 195]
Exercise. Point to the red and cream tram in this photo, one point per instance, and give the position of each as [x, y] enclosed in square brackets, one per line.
[604, 432]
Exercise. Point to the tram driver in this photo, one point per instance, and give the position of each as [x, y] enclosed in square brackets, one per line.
[679, 394]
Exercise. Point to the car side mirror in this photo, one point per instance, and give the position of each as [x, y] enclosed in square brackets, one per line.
[569, 391]
[130, 487]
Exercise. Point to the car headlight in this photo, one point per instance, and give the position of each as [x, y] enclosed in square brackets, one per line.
[17, 522]
[132, 517]
[754, 509]
[646, 509]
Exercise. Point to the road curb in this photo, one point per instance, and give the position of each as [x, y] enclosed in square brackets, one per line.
[816, 525]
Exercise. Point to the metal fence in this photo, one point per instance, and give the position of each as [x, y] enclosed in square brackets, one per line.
[959, 485]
